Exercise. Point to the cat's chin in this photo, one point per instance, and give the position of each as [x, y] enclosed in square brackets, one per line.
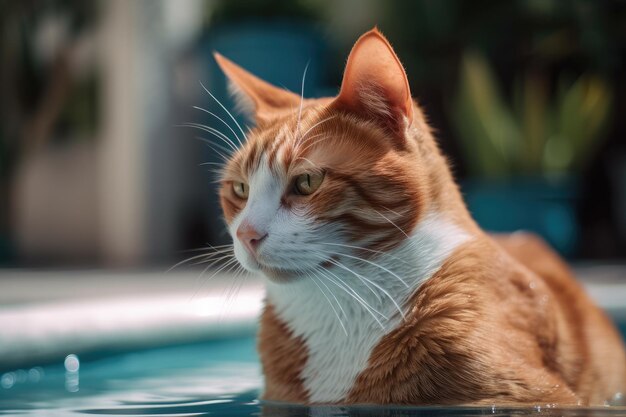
[280, 276]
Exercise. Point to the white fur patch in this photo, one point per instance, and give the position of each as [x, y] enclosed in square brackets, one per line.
[337, 356]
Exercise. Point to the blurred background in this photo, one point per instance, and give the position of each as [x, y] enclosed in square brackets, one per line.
[99, 167]
[108, 116]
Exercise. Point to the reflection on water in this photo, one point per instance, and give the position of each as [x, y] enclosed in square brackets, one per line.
[221, 378]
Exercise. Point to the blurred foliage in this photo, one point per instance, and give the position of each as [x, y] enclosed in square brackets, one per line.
[229, 11]
[560, 65]
[42, 98]
[432, 36]
[37, 39]
[539, 132]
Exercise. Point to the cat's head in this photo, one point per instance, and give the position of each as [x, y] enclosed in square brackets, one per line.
[320, 177]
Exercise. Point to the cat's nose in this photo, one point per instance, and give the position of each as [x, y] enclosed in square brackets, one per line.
[250, 237]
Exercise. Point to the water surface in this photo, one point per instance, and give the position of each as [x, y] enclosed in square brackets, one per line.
[219, 378]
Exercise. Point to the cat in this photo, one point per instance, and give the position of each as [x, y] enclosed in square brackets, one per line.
[380, 287]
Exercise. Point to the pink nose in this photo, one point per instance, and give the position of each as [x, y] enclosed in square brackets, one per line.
[250, 237]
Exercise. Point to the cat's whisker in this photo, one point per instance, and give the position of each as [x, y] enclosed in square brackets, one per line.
[393, 224]
[225, 292]
[299, 144]
[314, 126]
[193, 258]
[227, 245]
[345, 288]
[310, 145]
[352, 293]
[220, 179]
[226, 265]
[314, 280]
[367, 250]
[225, 109]
[371, 263]
[331, 293]
[207, 247]
[307, 160]
[301, 99]
[216, 173]
[223, 121]
[235, 285]
[381, 289]
[213, 261]
[198, 285]
[369, 287]
[214, 146]
[212, 131]
[356, 294]
[393, 211]
[218, 164]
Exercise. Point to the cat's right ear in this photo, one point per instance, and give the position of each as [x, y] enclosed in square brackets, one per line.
[259, 99]
[375, 85]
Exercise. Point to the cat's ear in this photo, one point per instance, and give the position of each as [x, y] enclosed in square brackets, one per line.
[258, 98]
[375, 84]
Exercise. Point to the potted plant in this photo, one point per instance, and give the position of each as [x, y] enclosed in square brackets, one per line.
[525, 154]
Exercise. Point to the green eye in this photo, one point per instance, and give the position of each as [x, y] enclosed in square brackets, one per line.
[241, 189]
[307, 184]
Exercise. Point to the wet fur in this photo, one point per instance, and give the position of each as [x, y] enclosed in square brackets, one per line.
[490, 320]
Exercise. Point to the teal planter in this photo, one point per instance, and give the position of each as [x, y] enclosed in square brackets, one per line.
[532, 204]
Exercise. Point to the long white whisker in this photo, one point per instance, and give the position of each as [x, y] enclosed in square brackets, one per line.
[185, 261]
[330, 303]
[352, 293]
[234, 287]
[331, 293]
[212, 260]
[225, 109]
[213, 145]
[226, 265]
[316, 125]
[367, 250]
[213, 131]
[301, 99]
[221, 120]
[219, 164]
[381, 289]
[372, 290]
[310, 145]
[389, 220]
[208, 246]
[371, 263]
[307, 160]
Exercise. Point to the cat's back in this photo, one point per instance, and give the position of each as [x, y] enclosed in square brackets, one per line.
[502, 320]
[590, 352]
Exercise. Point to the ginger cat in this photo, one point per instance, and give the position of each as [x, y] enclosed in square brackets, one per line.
[380, 286]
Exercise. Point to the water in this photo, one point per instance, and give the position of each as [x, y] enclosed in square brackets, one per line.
[219, 378]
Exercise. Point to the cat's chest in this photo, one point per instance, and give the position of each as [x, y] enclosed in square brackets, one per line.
[339, 333]
[343, 313]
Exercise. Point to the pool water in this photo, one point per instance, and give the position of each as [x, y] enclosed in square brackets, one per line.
[218, 378]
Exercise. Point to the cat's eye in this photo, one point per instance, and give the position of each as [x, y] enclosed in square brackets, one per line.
[241, 189]
[308, 183]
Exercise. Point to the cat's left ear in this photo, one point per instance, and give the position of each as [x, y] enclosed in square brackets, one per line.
[259, 98]
[375, 84]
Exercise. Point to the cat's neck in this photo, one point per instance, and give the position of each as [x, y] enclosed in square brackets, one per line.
[441, 191]
[382, 280]
[341, 313]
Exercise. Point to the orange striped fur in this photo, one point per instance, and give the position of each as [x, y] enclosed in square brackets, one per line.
[482, 320]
